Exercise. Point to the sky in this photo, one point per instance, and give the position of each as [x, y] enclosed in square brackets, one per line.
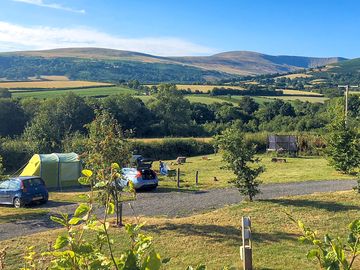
[322, 28]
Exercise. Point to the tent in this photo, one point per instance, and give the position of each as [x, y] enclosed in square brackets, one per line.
[57, 170]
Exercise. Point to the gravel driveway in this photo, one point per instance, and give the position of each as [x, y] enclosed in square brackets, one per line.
[180, 203]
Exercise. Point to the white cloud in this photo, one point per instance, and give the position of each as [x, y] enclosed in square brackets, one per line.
[41, 3]
[15, 37]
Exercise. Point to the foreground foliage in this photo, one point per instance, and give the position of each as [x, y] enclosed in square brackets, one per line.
[332, 253]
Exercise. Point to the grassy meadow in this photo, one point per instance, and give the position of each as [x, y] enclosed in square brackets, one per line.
[214, 237]
[85, 92]
[295, 170]
[314, 99]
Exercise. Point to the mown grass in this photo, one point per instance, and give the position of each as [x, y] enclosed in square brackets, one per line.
[214, 237]
[295, 170]
[85, 92]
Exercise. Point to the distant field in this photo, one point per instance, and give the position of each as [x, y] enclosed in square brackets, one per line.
[55, 78]
[300, 92]
[205, 88]
[314, 99]
[50, 84]
[297, 75]
[85, 92]
[206, 99]
[318, 81]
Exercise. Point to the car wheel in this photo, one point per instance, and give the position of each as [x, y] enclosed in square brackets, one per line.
[18, 203]
[43, 201]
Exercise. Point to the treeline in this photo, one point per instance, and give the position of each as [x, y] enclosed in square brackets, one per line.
[238, 92]
[22, 67]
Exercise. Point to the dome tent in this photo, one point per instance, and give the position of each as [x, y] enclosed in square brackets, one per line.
[57, 170]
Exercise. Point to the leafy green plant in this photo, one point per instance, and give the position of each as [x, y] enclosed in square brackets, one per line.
[240, 158]
[2, 170]
[332, 253]
[343, 145]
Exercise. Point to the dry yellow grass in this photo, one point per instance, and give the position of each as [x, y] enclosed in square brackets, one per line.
[300, 93]
[55, 78]
[205, 88]
[50, 84]
[296, 75]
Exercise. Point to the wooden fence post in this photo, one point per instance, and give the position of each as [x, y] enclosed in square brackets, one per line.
[197, 178]
[178, 177]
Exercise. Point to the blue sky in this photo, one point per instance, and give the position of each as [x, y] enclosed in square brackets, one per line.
[184, 27]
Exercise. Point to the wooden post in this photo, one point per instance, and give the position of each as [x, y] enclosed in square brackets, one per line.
[246, 249]
[178, 177]
[197, 178]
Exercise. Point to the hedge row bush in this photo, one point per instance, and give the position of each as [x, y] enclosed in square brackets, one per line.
[172, 148]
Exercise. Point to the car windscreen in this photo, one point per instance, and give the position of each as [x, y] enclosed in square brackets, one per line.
[34, 182]
[4, 184]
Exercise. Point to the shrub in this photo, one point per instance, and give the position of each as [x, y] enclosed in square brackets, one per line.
[15, 153]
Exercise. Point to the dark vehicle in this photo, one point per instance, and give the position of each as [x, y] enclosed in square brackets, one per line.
[23, 190]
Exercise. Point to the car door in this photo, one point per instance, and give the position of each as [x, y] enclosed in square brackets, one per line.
[12, 190]
[3, 191]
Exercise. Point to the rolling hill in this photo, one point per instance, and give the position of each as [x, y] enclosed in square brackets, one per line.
[114, 65]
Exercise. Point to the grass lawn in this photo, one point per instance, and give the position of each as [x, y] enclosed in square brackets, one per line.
[296, 169]
[85, 92]
[214, 237]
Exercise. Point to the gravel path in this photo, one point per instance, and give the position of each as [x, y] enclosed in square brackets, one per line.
[175, 203]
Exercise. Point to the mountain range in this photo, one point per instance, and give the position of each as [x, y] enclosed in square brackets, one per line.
[234, 62]
[87, 63]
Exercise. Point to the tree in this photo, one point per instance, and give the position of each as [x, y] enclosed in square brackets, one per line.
[172, 111]
[12, 118]
[248, 105]
[343, 143]
[56, 119]
[105, 144]
[130, 112]
[5, 93]
[239, 157]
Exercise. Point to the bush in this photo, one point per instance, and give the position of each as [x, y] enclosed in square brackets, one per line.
[172, 148]
[15, 153]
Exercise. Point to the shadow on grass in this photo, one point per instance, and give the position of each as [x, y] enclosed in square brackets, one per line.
[322, 205]
[229, 234]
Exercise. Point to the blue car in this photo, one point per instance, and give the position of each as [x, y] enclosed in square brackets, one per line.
[23, 190]
[142, 176]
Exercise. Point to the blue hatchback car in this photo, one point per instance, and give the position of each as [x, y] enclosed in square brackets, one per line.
[23, 190]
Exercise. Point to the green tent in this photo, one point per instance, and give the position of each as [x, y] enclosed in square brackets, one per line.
[57, 170]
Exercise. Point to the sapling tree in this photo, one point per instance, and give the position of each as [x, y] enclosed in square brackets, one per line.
[240, 158]
[106, 143]
[343, 143]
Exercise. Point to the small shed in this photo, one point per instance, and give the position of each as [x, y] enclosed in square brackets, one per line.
[57, 170]
[287, 143]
